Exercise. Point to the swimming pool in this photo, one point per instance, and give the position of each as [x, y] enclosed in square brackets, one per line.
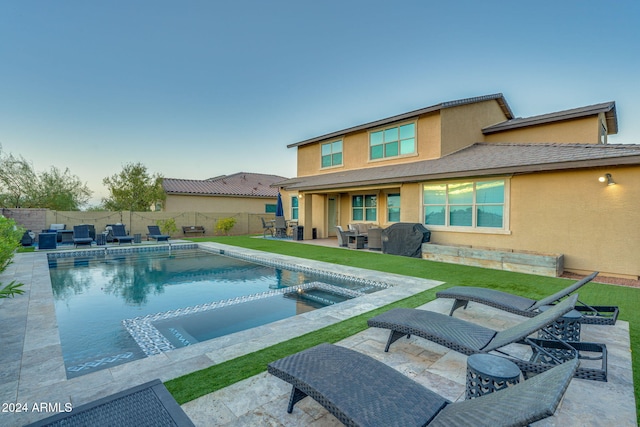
[118, 305]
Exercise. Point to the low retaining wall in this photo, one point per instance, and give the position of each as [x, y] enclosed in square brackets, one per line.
[521, 262]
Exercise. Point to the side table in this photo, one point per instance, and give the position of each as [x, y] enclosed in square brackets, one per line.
[567, 328]
[355, 241]
[487, 373]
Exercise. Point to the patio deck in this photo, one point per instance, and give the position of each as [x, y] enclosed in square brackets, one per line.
[33, 370]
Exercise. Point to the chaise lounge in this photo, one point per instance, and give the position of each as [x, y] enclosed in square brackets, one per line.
[119, 234]
[601, 315]
[146, 405]
[362, 391]
[81, 235]
[156, 234]
[469, 338]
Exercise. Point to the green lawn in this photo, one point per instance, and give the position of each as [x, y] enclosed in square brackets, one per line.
[202, 382]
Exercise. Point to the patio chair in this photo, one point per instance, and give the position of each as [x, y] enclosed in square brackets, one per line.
[156, 234]
[362, 391]
[602, 315]
[469, 338]
[120, 234]
[81, 235]
[280, 227]
[342, 237]
[146, 405]
[267, 227]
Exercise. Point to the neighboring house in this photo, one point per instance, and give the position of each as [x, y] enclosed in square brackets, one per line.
[241, 192]
[477, 176]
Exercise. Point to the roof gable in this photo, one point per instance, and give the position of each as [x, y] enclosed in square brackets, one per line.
[241, 184]
[608, 108]
[412, 114]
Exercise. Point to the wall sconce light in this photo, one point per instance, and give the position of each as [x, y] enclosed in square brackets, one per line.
[299, 196]
[607, 178]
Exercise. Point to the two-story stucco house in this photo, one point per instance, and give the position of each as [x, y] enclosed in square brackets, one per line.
[477, 176]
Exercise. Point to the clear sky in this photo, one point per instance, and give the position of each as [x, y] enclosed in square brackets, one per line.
[195, 89]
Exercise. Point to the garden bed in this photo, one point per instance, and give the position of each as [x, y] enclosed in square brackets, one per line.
[517, 261]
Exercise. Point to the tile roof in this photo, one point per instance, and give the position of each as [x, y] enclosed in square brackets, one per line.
[411, 114]
[609, 108]
[241, 184]
[480, 159]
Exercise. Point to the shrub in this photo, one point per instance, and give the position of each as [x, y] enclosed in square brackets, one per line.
[10, 237]
[225, 225]
[167, 226]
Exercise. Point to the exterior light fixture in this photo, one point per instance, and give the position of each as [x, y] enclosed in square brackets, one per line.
[607, 178]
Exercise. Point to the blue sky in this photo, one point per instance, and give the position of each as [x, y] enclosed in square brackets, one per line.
[195, 89]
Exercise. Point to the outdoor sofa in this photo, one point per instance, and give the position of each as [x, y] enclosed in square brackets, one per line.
[362, 391]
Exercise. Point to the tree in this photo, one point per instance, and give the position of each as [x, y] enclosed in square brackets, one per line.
[61, 191]
[21, 187]
[133, 189]
[18, 181]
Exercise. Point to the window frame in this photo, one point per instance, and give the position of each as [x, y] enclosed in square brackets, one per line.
[389, 207]
[295, 208]
[473, 228]
[398, 142]
[364, 208]
[332, 154]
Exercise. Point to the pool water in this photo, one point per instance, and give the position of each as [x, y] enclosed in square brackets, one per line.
[95, 295]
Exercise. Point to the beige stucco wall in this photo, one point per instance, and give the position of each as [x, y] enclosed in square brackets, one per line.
[462, 126]
[457, 126]
[595, 226]
[179, 203]
[585, 131]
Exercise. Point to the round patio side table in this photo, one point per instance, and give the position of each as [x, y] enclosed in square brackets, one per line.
[567, 328]
[487, 373]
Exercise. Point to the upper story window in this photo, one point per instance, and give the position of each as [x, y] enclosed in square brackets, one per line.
[331, 153]
[478, 204]
[294, 207]
[392, 142]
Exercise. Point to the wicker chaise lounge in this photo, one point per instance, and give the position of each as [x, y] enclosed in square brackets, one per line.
[146, 405]
[469, 338]
[599, 315]
[361, 391]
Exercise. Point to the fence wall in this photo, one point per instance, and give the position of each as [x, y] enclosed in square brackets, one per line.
[135, 222]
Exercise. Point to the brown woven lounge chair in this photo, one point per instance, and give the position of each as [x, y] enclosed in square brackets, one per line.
[469, 338]
[361, 391]
[599, 315]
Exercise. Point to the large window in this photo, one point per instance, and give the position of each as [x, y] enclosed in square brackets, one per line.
[364, 208]
[478, 204]
[331, 154]
[294, 207]
[392, 142]
[393, 207]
